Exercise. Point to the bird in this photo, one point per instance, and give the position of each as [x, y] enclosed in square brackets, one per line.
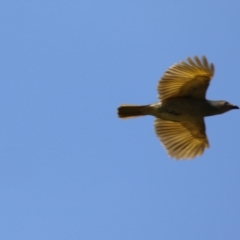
[182, 107]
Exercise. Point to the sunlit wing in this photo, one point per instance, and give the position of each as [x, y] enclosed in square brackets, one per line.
[186, 79]
[182, 139]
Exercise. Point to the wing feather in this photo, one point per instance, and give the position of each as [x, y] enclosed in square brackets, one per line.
[182, 139]
[186, 79]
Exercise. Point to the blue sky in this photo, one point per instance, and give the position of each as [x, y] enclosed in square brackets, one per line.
[69, 168]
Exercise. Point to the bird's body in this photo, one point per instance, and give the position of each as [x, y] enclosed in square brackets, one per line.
[178, 109]
[182, 107]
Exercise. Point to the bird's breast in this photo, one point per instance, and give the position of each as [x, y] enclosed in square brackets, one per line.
[180, 109]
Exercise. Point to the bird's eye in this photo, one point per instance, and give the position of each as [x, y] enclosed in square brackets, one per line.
[225, 103]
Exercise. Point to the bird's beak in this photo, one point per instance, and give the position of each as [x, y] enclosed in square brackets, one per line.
[234, 107]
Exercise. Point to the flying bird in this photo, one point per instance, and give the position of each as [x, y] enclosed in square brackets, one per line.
[180, 113]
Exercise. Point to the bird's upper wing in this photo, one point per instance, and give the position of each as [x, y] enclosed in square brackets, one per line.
[182, 139]
[186, 79]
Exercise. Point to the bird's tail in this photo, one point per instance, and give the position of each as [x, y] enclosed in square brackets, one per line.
[130, 111]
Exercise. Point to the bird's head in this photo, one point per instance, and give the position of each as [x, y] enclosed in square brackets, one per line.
[223, 106]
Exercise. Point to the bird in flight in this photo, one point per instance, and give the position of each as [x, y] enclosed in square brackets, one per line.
[180, 113]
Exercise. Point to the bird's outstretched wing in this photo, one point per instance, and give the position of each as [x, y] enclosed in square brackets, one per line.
[182, 139]
[186, 79]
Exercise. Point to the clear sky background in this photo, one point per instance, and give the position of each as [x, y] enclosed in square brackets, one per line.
[69, 168]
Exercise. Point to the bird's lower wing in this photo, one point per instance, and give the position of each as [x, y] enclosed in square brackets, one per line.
[182, 139]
